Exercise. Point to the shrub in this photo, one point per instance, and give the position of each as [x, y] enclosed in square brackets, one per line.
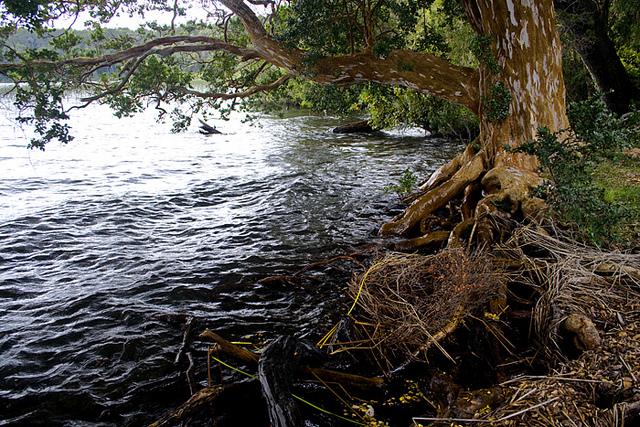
[572, 161]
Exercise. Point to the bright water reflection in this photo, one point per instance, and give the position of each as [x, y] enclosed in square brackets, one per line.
[108, 242]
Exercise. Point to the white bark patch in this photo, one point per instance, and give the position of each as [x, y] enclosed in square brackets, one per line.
[536, 80]
[512, 12]
[524, 34]
[535, 13]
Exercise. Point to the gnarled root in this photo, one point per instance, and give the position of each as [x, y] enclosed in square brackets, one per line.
[430, 239]
[503, 192]
[447, 170]
[436, 198]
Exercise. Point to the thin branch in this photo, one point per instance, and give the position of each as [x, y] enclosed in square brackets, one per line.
[235, 95]
[208, 44]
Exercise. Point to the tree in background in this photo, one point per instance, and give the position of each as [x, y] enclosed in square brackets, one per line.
[240, 48]
[588, 23]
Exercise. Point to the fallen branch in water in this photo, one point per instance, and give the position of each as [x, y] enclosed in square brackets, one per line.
[214, 398]
[327, 375]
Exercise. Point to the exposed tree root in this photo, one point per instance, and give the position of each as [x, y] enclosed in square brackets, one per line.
[436, 198]
[447, 170]
[474, 198]
[430, 239]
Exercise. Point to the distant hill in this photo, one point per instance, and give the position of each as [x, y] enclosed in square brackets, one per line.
[23, 39]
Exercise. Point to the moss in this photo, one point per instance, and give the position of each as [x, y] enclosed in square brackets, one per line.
[498, 103]
[620, 181]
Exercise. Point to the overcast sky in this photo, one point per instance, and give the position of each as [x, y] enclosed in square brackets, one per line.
[133, 22]
[124, 20]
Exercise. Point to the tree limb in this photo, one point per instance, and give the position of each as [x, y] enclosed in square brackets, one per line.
[234, 95]
[416, 70]
[199, 44]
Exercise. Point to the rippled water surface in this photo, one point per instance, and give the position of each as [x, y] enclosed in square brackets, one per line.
[107, 244]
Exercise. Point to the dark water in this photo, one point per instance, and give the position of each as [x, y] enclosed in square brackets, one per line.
[107, 244]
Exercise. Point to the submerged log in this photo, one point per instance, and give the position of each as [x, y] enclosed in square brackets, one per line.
[362, 126]
[277, 367]
[207, 129]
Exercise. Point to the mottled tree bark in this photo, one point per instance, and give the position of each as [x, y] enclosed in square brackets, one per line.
[527, 61]
[518, 88]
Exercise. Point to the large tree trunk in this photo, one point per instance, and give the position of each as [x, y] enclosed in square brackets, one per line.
[517, 89]
[526, 62]
[587, 23]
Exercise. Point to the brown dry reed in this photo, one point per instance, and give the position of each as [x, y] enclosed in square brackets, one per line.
[406, 303]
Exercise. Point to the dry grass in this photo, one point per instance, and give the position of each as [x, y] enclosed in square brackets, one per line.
[406, 303]
[591, 389]
[573, 278]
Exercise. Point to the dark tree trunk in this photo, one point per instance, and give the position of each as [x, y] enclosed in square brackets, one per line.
[587, 23]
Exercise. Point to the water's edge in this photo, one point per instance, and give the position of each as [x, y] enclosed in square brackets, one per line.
[110, 243]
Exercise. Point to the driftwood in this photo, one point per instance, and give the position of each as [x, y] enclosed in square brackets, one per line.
[219, 402]
[326, 375]
[276, 372]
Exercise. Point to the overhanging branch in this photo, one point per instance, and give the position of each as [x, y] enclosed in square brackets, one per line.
[416, 70]
[172, 43]
[235, 95]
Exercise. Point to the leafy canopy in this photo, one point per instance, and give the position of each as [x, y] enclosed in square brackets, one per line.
[209, 64]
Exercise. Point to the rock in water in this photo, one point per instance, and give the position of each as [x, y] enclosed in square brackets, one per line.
[362, 126]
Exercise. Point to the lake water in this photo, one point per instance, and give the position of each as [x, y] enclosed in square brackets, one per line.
[109, 243]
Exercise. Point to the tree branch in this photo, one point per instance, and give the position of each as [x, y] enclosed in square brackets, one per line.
[205, 44]
[416, 70]
[290, 59]
[234, 95]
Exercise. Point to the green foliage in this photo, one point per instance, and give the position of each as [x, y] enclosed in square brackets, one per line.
[42, 105]
[631, 60]
[497, 104]
[481, 48]
[330, 27]
[574, 191]
[406, 184]
[604, 132]
[439, 27]
[577, 80]
[390, 107]
[302, 94]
